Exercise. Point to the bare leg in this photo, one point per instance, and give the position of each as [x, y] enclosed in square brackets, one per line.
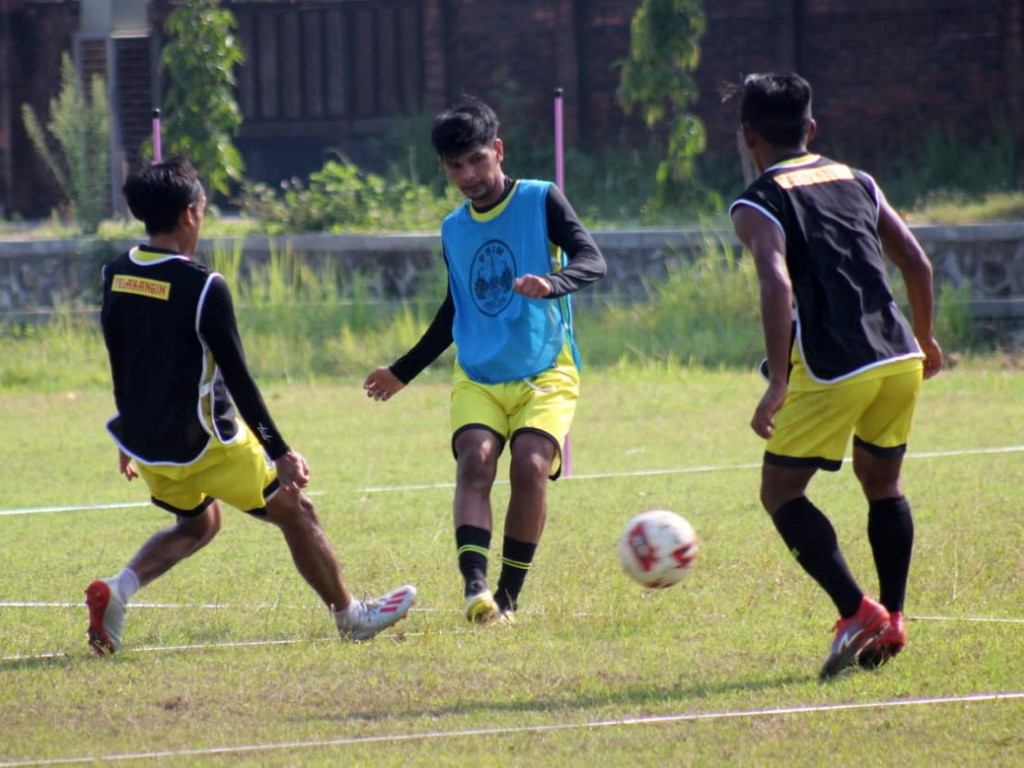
[477, 452]
[878, 476]
[166, 548]
[783, 484]
[532, 455]
[293, 512]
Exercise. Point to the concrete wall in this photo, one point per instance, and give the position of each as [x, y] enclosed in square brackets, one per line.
[37, 274]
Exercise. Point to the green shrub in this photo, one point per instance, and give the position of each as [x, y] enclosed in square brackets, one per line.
[341, 197]
[81, 130]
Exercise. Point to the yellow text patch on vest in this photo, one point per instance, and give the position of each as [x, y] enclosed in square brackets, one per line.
[142, 286]
[805, 177]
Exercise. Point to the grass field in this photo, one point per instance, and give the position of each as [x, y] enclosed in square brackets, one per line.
[229, 660]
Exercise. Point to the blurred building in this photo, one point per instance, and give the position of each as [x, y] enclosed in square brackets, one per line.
[340, 74]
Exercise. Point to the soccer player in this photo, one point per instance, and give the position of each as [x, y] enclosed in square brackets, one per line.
[514, 250]
[842, 358]
[179, 373]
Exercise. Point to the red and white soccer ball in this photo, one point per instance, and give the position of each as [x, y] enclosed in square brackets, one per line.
[657, 548]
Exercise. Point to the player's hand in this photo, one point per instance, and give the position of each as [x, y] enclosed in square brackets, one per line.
[125, 465]
[932, 357]
[382, 384]
[763, 422]
[532, 286]
[292, 471]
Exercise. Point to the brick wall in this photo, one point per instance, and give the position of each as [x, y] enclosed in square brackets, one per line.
[886, 73]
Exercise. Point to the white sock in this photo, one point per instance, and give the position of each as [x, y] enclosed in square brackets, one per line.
[126, 583]
[347, 617]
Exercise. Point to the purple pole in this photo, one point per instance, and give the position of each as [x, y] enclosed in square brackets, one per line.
[560, 181]
[157, 151]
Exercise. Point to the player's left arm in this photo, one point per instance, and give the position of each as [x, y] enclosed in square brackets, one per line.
[219, 328]
[586, 263]
[904, 250]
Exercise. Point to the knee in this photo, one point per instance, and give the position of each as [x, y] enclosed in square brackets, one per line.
[531, 469]
[879, 485]
[304, 512]
[292, 510]
[476, 468]
[203, 528]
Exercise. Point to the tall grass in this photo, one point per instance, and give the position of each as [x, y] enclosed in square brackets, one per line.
[303, 320]
[705, 313]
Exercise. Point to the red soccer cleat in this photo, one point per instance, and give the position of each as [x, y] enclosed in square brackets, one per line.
[853, 635]
[886, 645]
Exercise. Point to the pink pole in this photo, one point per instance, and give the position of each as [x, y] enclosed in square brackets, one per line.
[560, 181]
[559, 141]
[157, 151]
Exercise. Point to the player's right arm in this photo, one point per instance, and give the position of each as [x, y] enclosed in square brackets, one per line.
[388, 380]
[906, 253]
[763, 238]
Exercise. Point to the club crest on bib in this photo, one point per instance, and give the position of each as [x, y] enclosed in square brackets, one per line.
[491, 276]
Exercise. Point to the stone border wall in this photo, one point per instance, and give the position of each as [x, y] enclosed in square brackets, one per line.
[37, 274]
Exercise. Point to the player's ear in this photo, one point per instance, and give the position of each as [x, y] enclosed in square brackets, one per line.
[499, 149]
[189, 218]
[749, 135]
[812, 131]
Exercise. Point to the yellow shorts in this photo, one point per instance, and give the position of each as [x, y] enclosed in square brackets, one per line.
[814, 425]
[237, 473]
[545, 403]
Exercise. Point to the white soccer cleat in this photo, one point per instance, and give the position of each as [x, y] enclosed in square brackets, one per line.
[374, 616]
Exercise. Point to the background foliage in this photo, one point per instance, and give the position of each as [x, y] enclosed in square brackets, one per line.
[657, 79]
[201, 114]
[80, 129]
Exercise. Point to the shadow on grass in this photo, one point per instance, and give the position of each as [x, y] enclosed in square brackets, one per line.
[622, 697]
[35, 662]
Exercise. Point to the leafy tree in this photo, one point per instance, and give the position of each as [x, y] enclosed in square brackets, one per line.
[81, 130]
[664, 51]
[201, 114]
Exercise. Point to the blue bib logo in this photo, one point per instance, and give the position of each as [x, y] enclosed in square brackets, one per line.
[491, 275]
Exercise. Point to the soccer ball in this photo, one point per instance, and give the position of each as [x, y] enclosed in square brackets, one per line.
[657, 548]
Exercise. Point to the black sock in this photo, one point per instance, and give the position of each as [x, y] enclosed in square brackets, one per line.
[516, 557]
[472, 547]
[812, 540]
[891, 533]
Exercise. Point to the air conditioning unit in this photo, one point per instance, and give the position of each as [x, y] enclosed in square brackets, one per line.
[105, 18]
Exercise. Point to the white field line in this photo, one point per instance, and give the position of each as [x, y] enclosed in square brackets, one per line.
[190, 606]
[93, 507]
[573, 478]
[395, 738]
[399, 635]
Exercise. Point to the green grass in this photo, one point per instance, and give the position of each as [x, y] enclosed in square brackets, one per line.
[745, 634]
[964, 209]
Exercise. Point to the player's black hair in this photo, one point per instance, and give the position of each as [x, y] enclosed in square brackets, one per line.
[158, 193]
[462, 127]
[777, 106]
